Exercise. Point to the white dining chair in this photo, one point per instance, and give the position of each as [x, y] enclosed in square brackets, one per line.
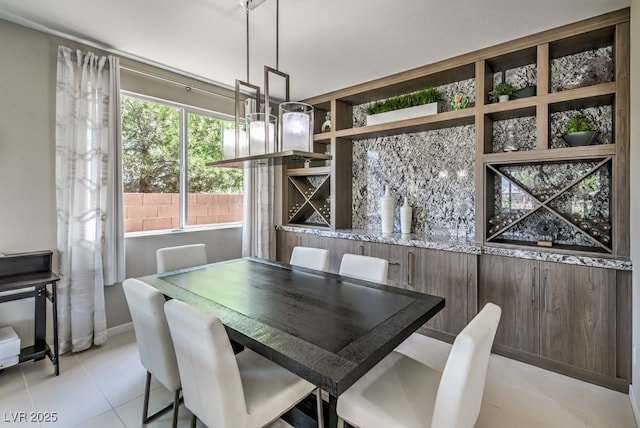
[180, 257]
[157, 354]
[220, 388]
[312, 258]
[364, 267]
[403, 392]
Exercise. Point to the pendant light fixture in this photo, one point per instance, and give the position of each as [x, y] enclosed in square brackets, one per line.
[257, 131]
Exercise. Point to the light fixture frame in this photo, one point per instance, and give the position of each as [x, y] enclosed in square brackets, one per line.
[240, 83]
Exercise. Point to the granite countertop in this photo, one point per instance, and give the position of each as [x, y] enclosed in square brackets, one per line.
[462, 245]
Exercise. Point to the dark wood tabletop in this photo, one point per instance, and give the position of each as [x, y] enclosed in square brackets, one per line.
[326, 328]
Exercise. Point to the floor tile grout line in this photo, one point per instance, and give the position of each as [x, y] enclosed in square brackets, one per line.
[113, 408]
[28, 388]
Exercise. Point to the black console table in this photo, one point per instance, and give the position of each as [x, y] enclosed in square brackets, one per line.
[31, 272]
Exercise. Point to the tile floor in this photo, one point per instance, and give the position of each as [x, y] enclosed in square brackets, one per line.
[103, 387]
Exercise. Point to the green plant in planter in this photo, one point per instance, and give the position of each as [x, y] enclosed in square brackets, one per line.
[426, 96]
[501, 89]
[580, 131]
[580, 122]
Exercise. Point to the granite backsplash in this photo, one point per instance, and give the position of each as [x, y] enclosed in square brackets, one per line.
[433, 169]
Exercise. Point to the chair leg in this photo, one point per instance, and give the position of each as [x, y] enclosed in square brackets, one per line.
[146, 418]
[193, 421]
[145, 406]
[319, 408]
[176, 405]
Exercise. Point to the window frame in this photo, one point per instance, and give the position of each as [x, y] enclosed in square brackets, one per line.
[184, 110]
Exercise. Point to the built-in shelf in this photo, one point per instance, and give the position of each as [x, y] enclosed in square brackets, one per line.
[295, 154]
[562, 154]
[425, 123]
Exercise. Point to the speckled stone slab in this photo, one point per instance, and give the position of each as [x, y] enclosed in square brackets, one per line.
[434, 170]
[462, 245]
[599, 262]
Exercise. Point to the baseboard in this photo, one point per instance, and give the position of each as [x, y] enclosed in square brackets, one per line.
[119, 329]
[634, 405]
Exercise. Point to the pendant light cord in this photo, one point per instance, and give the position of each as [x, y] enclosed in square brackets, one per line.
[278, 35]
[247, 11]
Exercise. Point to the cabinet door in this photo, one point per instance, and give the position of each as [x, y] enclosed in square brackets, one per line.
[513, 285]
[396, 255]
[444, 274]
[337, 247]
[285, 241]
[577, 324]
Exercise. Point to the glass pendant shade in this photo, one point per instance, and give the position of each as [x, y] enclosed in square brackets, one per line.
[229, 144]
[261, 140]
[296, 121]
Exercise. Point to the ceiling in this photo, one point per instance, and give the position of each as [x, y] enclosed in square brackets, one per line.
[324, 44]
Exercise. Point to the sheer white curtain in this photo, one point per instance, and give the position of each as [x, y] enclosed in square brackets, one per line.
[88, 194]
[258, 232]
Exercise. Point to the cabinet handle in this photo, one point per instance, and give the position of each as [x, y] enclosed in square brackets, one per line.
[533, 286]
[394, 263]
[361, 250]
[299, 240]
[409, 268]
[544, 284]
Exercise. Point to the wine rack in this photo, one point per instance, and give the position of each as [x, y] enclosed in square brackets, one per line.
[308, 196]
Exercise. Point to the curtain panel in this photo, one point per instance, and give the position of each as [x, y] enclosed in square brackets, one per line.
[88, 194]
[258, 231]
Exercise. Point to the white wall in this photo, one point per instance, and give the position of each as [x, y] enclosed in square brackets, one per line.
[635, 199]
[27, 170]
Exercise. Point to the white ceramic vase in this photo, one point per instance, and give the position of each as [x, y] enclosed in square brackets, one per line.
[405, 217]
[387, 207]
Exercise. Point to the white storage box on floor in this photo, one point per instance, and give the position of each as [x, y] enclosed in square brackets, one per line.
[9, 347]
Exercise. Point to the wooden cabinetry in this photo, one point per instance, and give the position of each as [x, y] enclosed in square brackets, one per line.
[577, 316]
[444, 274]
[581, 67]
[397, 257]
[513, 285]
[285, 241]
[567, 318]
[441, 273]
[572, 319]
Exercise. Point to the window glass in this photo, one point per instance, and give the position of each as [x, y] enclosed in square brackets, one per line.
[214, 194]
[152, 151]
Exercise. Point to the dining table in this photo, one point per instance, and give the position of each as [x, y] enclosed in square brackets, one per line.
[326, 328]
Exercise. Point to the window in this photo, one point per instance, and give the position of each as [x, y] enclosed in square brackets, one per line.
[167, 184]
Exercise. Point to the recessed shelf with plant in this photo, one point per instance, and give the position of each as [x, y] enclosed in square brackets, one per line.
[587, 125]
[406, 106]
[502, 92]
[579, 131]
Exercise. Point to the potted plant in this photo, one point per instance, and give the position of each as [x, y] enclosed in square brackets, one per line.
[501, 92]
[580, 131]
[460, 101]
[407, 106]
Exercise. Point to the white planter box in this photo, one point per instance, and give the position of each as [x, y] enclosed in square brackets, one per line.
[406, 113]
